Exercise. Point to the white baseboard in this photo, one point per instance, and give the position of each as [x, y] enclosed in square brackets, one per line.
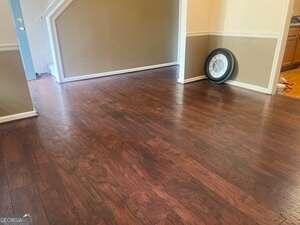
[193, 79]
[118, 72]
[249, 86]
[233, 83]
[19, 116]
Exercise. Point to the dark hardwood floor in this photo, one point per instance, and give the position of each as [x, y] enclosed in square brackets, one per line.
[141, 149]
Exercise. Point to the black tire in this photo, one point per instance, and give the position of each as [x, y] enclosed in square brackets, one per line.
[231, 67]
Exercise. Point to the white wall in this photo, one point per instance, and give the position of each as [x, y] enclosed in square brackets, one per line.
[37, 33]
[236, 16]
[7, 32]
[262, 17]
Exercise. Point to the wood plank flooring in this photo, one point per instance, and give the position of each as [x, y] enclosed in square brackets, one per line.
[293, 78]
[142, 149]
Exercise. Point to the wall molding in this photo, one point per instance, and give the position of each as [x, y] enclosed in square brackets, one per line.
[234, 34]
[8, 47]
[195, 34]
[193, 79]
[235, 83]
[117, 72]
[250, 86]
[19, 116]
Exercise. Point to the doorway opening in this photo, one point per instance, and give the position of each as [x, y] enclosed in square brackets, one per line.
[288, 78]
[32, 37]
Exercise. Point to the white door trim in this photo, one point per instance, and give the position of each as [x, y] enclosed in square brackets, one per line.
[52, 14]
[280, 47]
[183, 7]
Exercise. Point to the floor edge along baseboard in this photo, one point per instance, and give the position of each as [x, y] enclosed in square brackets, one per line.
[19, 116]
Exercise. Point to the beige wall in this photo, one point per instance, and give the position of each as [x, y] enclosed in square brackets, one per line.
[255, 57]
[7, 33]
[247, 17]
[99, 36]
[245, 27]
[198, 17]
[198, 27]
[196, 52]
[14, 92]
[296, 8]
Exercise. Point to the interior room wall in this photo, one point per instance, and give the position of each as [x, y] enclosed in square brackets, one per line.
[35, 23]
[296, 8]
[255, 17]
[198, 17]
[248, 29]
[98, 36]
[7, 35]
[198, 28]
[254, 57]
[14, 92]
